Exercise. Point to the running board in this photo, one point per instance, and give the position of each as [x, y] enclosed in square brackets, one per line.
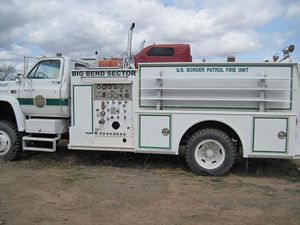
[39, 140]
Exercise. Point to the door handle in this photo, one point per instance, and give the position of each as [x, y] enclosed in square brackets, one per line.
[55, 82]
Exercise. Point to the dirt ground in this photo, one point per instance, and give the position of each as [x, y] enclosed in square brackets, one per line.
[89, 188]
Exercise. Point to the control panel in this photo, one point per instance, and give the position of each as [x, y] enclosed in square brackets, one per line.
[113, 91]
[112, 111]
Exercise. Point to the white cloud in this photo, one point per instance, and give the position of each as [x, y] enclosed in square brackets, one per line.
[78, 28]
[244, 14]
[15, 52]
[187, 3]
[293, 9]
[14, 56]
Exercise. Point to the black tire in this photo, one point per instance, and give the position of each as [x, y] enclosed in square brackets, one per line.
[15, 140]
[221, 138]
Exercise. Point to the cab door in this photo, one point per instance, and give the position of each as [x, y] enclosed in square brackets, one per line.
[40, 92]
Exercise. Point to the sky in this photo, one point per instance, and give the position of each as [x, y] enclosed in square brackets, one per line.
[251, 30]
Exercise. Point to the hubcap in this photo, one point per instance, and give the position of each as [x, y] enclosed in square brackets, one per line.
[210, 154]
[4, 142]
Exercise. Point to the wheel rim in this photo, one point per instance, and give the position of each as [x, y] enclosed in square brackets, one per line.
[210, 154]
[4, 142]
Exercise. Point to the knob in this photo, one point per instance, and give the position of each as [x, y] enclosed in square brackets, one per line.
[102, 121]
[165, 131]
[126, 95]
[102, 113]
[282, 135]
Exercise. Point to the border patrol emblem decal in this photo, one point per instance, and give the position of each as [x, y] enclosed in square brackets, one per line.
[39, 101]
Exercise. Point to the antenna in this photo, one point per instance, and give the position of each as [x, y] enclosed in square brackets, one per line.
[142, 45]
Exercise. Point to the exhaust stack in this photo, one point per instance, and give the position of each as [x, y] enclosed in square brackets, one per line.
[129, 44]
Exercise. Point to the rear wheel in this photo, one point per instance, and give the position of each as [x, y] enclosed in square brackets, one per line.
[10, 141]
[210, 152]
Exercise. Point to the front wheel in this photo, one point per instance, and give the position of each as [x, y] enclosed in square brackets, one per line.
[210, 152]
[10, 141]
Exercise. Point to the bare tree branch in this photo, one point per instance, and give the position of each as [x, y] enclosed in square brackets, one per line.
[7, 72]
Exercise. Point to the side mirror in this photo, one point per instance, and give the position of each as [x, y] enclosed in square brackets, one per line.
[19, 77]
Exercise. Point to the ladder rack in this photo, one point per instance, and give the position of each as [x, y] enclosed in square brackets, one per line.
[258, 91]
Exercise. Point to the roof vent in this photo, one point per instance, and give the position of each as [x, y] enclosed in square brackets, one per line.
[230, 58]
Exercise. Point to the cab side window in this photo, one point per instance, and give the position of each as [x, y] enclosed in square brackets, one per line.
[79, 66]
[159, 51]
[47, 69]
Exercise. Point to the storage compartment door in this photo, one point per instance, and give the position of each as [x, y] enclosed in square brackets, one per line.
[155, 131]
[270, 135]
[82, 108]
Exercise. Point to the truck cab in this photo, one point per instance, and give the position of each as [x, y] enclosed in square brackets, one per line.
[44, 90]
[37, 104]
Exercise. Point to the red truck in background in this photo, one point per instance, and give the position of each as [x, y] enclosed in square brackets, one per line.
[154, 53]
[164, 53]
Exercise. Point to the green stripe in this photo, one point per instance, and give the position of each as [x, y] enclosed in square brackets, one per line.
[25, 101]
[49, 101]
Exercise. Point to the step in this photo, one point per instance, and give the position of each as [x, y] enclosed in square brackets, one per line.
[38, 149]
[40, 139]
[28, 138]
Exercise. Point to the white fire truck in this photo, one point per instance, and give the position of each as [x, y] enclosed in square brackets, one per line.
[212, 111]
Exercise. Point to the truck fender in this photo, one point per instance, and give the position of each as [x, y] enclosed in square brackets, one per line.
[215, 119]
[19, 115]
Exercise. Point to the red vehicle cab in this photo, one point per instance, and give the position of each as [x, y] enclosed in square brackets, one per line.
[164, 53]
